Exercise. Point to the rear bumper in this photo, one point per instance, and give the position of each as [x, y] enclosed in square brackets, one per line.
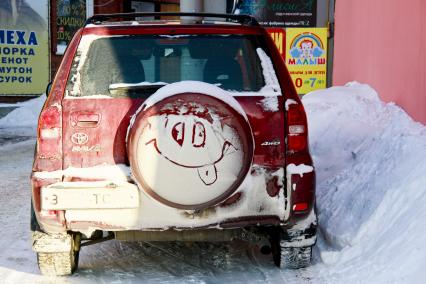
[86, 206]
[123, 206]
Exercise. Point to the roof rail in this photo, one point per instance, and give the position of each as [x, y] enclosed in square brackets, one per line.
[242, 19]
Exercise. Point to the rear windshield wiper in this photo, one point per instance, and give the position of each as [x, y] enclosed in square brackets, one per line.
[132, 87]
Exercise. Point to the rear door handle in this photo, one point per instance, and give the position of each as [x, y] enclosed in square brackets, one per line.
[85, 119]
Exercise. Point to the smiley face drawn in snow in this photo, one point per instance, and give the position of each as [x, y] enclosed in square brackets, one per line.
[189, 141]
[190, 151]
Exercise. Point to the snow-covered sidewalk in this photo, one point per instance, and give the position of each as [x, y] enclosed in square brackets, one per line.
[21, 123]
[370, 159]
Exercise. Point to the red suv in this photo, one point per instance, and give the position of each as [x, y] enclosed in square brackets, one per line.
[172, 130]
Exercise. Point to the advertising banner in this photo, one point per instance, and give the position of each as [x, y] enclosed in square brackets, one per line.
[278, 36]
[24, 47]
[306, 58]
[280, 13]
[71, 17]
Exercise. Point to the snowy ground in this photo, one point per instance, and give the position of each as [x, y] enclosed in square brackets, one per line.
[371, 164]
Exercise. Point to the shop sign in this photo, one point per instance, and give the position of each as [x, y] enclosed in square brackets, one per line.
[306, 58]
[278, 36]
[24, 47]
[280, 13]
[71, 16]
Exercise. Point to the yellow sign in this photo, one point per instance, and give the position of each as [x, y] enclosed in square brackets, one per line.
[278, 36]
[306, 58]
[24, 47]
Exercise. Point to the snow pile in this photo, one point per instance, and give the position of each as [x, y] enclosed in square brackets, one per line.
[26, 115]
[370, 159]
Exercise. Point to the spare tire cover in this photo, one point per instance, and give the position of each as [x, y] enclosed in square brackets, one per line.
[190, 150]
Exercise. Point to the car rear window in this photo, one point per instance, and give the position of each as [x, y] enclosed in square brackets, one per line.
[136, 66]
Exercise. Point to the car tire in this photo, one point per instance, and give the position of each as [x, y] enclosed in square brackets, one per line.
[59, 263]
[288, 257]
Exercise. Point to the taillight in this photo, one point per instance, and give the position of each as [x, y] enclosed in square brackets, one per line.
[49, 152]
[50, 123]
[49, 133]
[300, 207]
[297, 128]
[299, 171]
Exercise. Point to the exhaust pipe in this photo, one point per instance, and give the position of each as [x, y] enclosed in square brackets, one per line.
[265, 249]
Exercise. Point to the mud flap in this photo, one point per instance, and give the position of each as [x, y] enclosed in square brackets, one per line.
[299, 237]
[34, 225]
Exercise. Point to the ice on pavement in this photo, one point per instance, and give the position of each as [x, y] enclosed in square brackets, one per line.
[370, 159]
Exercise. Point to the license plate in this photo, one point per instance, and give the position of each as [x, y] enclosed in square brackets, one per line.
[65, 196]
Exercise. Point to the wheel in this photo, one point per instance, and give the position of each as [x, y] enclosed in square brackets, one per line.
[296, 257]
[60, 263]
[57, 263]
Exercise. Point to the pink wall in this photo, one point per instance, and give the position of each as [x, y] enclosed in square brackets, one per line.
[383, 43]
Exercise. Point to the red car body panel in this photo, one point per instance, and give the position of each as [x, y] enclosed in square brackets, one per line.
[106, 121]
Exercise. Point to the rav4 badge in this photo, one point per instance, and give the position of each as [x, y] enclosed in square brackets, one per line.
[79, 139]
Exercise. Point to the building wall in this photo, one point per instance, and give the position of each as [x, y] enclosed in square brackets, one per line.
[109, 7]
[383, 43]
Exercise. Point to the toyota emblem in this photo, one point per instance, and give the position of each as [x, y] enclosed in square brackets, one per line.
[79, 138]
